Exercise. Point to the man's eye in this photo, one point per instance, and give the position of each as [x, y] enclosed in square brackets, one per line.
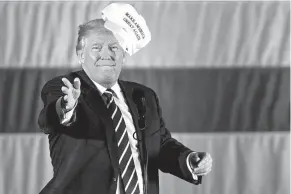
[114, 48]
[96, 48]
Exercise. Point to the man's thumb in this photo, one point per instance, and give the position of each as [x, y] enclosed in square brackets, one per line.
[77, 83]
[195, 158]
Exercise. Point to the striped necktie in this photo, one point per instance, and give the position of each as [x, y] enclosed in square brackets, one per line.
[125, 159]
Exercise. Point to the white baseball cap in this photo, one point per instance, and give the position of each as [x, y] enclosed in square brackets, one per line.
[129, 28]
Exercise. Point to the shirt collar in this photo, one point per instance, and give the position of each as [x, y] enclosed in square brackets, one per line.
[102, 89]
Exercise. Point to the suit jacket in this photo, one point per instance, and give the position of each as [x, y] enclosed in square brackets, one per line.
[84, 154]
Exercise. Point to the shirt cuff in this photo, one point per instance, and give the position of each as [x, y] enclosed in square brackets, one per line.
[195, 177]
[65, 118]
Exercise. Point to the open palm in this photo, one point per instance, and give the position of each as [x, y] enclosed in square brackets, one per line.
[71, 93]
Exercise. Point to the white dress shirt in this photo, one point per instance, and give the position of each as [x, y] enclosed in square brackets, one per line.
[66, 119]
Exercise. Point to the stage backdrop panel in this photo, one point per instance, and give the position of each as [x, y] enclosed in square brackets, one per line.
[200, 34]
[209, 99]
[244, 163]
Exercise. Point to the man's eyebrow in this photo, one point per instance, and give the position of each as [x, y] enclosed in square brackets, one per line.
[101, 43]
[96, 43]
[113, 43]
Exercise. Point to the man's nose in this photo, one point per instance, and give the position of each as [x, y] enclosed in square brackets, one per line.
[106, 54]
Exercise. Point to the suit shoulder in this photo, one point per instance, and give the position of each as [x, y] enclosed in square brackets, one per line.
[58, 79]
[70, 76]
[136, 85]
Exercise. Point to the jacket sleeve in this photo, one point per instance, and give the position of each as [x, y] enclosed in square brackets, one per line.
[173, 154]
[48, 119]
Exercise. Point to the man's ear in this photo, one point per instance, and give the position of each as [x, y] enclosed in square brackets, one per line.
[80, 55]
[125, 55]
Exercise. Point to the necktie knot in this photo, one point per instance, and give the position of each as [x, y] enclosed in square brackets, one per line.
[107, 95]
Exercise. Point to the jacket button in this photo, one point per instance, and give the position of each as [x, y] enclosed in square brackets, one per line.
[114, 179]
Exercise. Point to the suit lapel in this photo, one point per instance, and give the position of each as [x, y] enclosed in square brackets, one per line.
[127, 91]
[92, 97]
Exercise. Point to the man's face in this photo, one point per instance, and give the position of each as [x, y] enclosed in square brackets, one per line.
[103, 57]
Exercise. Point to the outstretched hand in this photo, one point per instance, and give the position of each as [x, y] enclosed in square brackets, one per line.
[71, 93]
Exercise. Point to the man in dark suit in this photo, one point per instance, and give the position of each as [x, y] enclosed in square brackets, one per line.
[107, 136]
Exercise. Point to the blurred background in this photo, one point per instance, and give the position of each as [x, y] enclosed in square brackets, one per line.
[220, 69]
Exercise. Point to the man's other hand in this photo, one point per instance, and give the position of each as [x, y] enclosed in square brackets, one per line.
[201, 163]
[71, 93]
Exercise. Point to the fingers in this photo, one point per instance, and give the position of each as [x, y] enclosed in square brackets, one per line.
[206, 159]
[71, 91]
[66, 97]
[65, 90]
[204, 173]
[204, 165]
[204, 169]
[77, 83]
[67, 82]
[69, 86]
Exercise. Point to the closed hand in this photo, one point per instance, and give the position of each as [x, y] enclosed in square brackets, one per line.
[201, 162]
